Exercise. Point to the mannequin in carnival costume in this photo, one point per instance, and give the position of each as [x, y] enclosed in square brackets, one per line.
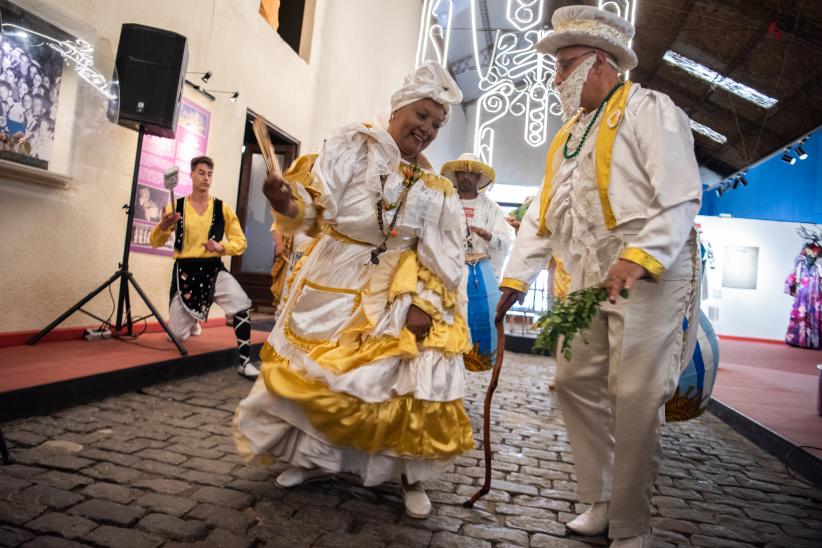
[805, 285]
[487, 240]
[205, 228]
[617, 207]
[363, 371]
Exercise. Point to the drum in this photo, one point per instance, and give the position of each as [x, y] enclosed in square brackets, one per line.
[697, 379]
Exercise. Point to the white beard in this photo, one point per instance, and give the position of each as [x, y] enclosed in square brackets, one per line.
[570, 90]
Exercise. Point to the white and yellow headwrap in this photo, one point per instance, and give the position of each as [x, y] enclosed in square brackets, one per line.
[428, 81]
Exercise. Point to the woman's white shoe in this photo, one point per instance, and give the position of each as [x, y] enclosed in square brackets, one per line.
[417, 504]
[294, 476]
[592, 522]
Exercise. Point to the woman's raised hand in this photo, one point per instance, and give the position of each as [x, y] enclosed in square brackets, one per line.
[278, 192]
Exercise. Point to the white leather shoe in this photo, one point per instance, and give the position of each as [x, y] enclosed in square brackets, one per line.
[249, 370]
[641, 541]
[294, 476]
[592, 522]
[417, 504]
[197, 330]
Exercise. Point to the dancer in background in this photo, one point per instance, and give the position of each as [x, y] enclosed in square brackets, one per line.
[617, 207]
[289, 248]
[487, 240]
[205, 229]
[363, 372]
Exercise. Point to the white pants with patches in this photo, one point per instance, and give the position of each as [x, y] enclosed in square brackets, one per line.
[228, 295]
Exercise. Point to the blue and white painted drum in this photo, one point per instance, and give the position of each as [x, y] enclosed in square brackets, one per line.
[697, 379]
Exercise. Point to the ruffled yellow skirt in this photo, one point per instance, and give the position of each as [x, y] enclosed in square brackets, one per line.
[345, 386]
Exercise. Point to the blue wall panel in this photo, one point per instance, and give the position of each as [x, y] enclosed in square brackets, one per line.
[776, 191]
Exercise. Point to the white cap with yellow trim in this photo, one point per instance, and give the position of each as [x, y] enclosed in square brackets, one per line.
[470, 163]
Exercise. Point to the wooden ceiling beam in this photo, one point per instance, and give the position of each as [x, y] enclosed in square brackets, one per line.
[741, 54]
[808, 87]
[675, 30]
[811, 86]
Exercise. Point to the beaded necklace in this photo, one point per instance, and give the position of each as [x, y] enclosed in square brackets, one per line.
[412, 175]
[469, 245]
[569, 155]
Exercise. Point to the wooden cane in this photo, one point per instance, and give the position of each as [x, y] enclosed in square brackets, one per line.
[486, 419]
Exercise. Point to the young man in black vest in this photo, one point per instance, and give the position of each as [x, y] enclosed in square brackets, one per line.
[205, 229]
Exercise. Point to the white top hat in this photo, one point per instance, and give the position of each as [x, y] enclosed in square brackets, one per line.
[590, 26]
[470, 163]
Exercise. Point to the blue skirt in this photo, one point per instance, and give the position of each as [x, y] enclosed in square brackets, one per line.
[483, 295]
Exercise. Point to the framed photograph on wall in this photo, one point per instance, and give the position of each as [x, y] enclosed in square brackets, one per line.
[740, 267]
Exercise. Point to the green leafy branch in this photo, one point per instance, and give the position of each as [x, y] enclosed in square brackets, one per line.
[567, 317]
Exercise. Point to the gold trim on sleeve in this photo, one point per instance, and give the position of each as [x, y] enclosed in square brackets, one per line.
[516, 285]
[643, 259]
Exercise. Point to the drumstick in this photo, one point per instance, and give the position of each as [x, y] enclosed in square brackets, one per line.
[266, 148]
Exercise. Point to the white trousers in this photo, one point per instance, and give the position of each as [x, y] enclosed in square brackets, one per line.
[228, 295]
[612, 391]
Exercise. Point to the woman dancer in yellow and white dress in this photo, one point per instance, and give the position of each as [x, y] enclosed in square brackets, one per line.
[363, 372]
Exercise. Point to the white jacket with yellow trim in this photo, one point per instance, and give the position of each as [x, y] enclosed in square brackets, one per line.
[654, 188]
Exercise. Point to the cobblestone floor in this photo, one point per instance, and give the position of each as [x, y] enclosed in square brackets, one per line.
[157, 468]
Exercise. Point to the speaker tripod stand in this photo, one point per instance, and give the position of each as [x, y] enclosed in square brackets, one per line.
[124, 276]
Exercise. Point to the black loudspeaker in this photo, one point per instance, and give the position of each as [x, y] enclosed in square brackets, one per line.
[151, 66]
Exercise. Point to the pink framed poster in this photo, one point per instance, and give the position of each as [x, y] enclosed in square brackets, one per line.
[159, 154]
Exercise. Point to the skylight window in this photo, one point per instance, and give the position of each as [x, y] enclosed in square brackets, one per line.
[714, 78]
[709, 133]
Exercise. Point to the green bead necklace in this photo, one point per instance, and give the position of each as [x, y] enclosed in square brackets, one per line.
[569, 155]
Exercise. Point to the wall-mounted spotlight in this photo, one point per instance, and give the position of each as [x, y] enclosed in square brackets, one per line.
[722, 188]
[788, 158]
[735, 183]
[741, 178]
[234, 94]
[800, 152]
[205, 76]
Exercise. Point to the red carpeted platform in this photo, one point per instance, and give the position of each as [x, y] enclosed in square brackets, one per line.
[49, 362]
[773, 384]
[52, 375]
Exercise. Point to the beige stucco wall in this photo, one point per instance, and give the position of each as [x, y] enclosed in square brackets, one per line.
[59, 244]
